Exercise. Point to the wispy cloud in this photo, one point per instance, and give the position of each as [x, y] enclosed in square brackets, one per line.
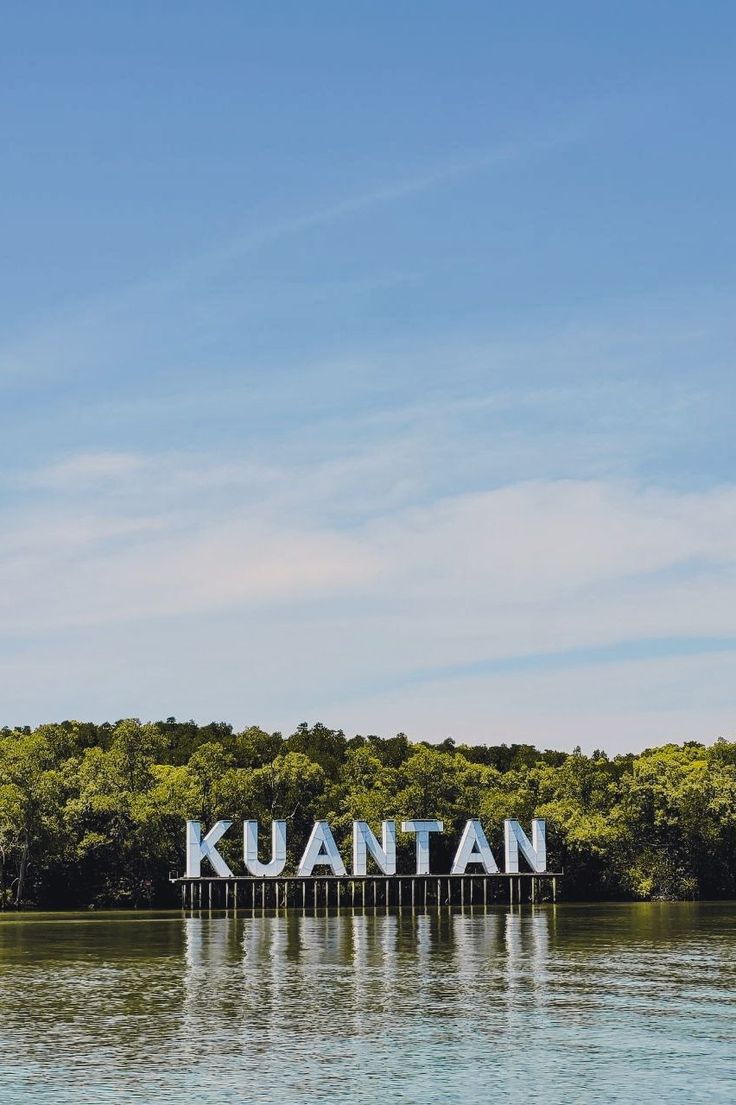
[431, 617]
[85, 470]
[619, 706]
[528, 566]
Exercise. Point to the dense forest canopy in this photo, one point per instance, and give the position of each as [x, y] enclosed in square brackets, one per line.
[93, 814]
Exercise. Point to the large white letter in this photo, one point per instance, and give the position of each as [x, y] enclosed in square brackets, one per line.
[320, 849]
[422, 830]
[278, 849]
[198, 849]
[535, 853]
[473, 848]
[364, 842]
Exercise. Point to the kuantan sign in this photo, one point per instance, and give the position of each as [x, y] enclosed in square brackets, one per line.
[322, 851]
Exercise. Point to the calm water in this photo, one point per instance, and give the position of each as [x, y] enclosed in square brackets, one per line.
[624, 1003]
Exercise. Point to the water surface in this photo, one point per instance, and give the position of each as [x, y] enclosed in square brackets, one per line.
[563, 1004]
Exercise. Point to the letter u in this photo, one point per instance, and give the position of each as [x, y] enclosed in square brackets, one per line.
[278, 849]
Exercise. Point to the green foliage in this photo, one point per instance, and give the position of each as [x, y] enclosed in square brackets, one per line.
[93, 814]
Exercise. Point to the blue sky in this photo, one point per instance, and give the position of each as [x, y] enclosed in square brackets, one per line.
[370, 365]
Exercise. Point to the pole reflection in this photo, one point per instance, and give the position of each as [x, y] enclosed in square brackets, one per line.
[255, 981]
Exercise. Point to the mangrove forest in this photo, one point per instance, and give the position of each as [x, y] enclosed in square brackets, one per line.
[92, 815]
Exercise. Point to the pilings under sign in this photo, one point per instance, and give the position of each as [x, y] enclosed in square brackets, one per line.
[326, 892]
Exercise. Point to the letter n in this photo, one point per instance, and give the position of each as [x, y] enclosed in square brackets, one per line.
[517, 841]
[364, 842]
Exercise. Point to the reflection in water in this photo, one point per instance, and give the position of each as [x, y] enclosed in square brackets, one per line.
[557, 1004]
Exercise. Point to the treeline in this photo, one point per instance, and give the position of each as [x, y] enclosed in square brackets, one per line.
[92, 815]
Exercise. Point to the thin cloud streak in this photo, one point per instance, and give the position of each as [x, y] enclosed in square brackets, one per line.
[99, 319]
[644, 649]
[403, 188]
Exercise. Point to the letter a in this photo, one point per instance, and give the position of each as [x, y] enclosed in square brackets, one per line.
[473, 848]
[321, 849]
[198, 849]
